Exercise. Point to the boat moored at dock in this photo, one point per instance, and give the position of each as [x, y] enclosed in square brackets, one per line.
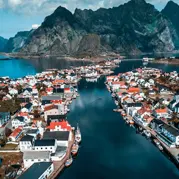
[78, 134]
[69, 161]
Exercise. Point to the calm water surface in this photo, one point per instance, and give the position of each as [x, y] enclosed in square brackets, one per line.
[110, 149]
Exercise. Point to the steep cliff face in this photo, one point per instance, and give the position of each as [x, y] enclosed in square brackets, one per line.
[171, 11]
[3, 43]
[60, 34]
[15, 43]
[133, 27]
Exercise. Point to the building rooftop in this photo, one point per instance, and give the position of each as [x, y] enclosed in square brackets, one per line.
[45, 142]
[37, 168]
[27, 138]
[171, 129]
[36, 155]
[59, 135]
[54, 97]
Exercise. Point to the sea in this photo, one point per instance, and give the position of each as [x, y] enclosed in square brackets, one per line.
[110, 149]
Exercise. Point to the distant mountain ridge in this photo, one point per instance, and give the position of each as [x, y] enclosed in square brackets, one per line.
[14, 44]
[3, 43]
[134, 27]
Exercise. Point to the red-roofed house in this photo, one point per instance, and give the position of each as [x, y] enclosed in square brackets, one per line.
[161, 113]
[59, 126]
[132, 90]
[15, 134]
[67, 90]
[118, 84]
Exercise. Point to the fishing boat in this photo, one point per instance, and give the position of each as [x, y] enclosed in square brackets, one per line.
[147, 133]
[69, 161]
[75, 148]
[78, 134]
[158, 144]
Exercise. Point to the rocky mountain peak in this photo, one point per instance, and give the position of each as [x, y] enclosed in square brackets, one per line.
[171, 11]
[59, 15]
[133, 27]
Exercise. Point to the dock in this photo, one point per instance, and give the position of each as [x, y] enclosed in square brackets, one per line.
[60, 165]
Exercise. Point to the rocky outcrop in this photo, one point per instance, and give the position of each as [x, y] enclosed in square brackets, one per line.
[133, 27]
[3, 43]
[171, 11]
[14, 44]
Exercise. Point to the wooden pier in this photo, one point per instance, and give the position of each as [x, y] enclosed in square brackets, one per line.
[59, 165]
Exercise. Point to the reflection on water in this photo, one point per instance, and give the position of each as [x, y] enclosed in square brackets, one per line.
[15, 68]
[110, 149]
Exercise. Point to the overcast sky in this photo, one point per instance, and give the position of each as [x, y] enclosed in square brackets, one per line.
[20, 15]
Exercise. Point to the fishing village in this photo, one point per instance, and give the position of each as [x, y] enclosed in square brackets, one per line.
[35, 135]
[148, 100]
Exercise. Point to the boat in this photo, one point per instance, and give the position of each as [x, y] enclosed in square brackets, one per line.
[75, 148]
[69, 161]
[78, 134]
[123, 113]
[147, 133]
[116, 102]
[131, 122]
[158, 144]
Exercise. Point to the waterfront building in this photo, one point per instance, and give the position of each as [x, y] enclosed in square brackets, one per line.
[31, 157]
[62, 137]
[45, 145]
[40, 170]
[59, 126]
[166, 133]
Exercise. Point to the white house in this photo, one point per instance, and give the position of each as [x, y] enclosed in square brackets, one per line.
[19, 121]
[26, 143]
[159, 113]
[45, 145]
[31, 157]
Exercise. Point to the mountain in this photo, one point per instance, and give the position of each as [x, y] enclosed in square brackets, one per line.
[14, 44]
[134, 27]
[3, 42]
[171, 11]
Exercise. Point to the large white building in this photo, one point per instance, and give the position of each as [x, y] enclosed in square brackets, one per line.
[45, 145]
[31, 157]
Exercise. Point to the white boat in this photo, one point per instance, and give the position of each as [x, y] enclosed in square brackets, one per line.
[69, 161]
[147, 133]
[78, 134]
[75, 148]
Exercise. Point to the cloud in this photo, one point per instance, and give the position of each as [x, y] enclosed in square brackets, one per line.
[35, 26]
[46, 7]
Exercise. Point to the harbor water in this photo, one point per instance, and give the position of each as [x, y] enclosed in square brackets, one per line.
[110, 149]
